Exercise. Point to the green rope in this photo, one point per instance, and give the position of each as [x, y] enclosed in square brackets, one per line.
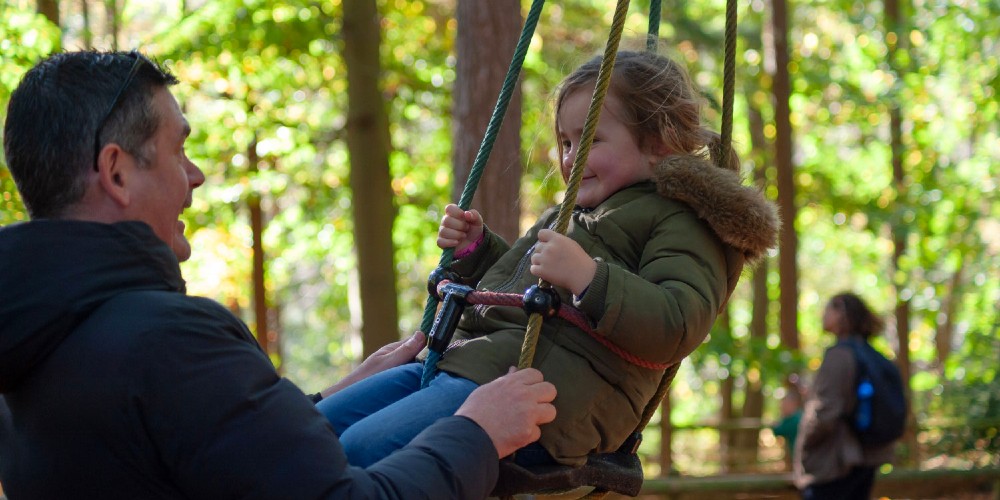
[722, 160]
[728, 84]
[654, 26]
[576, 174]
[492, 130]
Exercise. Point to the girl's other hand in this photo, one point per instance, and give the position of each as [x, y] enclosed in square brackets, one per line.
[561, 261]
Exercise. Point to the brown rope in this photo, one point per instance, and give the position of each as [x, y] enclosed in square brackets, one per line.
[576, 174]
[728, 84]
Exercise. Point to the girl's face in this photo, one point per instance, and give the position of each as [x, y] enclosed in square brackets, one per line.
[615, 161]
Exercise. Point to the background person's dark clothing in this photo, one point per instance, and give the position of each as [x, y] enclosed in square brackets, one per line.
[856, 485]
[121, 386]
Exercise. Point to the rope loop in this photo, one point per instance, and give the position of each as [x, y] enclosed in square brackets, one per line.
[568, 313]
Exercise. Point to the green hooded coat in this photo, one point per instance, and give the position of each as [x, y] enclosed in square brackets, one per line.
[669, 254]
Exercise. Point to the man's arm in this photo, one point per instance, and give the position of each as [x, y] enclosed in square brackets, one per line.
[226, 426]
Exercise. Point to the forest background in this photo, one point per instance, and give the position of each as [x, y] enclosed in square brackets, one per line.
[333, 133]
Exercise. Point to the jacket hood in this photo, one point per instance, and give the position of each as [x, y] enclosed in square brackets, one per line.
[739, 214]
[54, 273]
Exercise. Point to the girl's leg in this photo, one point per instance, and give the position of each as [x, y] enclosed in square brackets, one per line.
[391, 428]
[358, 400]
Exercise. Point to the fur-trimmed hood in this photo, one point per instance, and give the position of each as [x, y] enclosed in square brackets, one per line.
[739, 214]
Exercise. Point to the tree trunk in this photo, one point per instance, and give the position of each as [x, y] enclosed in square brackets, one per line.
[274, 336]
[372, 202]
[480, 72]
[111, 9]
[788, 240]
[49, 9]
[893, 12]
[88, 35]
[753, 402]
[258, 273]
[946, 329]
[666, 437]
[729, 451]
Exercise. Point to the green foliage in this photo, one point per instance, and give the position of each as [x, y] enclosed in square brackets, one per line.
[24, 38]
[967, 399]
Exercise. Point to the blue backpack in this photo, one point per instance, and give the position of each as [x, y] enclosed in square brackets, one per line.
[879, 417]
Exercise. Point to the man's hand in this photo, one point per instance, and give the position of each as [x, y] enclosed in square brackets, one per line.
[389, 356]
[561, 261]
[511, 408]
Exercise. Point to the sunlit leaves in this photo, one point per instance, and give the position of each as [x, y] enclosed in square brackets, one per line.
[25, 37]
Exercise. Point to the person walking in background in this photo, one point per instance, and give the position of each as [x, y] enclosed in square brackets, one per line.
[831, 461]
[788, 427]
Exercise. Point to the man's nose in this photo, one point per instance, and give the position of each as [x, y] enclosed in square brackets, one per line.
[195, 176]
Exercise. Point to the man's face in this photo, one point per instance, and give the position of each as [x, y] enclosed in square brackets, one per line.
[164, 186]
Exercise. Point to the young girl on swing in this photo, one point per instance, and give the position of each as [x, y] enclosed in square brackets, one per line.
[656, 244]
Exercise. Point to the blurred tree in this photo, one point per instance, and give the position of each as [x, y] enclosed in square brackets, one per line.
[86, 33]
[368, 145]
[267, 333]
[487, 36]
[788, 255]
[49, 9]
[893, 27]
[113, 15]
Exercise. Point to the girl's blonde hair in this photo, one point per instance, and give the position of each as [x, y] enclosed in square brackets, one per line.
[658, 100]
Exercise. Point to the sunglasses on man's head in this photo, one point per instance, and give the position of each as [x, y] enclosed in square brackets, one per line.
[121, 91]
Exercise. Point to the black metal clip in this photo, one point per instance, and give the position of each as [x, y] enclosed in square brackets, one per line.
[544, 301]
[453, 304]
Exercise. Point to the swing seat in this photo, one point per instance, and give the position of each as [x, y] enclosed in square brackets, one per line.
[619, 471]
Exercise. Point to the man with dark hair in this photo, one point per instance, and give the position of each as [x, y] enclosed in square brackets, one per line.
[116, 384]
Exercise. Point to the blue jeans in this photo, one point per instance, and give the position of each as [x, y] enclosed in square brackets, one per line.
[382, 413]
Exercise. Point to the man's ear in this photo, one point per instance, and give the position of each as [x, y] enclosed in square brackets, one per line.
[113, 173]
